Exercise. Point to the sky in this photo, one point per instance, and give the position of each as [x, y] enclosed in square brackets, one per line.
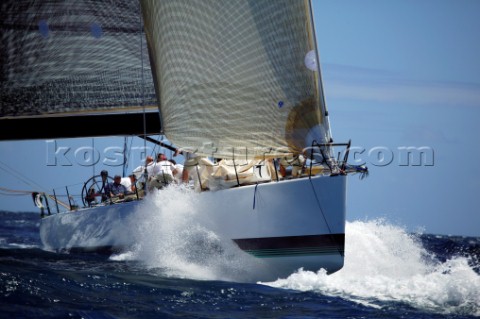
[399, 76]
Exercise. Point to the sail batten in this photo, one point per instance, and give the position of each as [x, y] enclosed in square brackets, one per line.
[232, 75]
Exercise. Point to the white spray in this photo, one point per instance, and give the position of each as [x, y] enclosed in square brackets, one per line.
[385, 263]
[174, 237]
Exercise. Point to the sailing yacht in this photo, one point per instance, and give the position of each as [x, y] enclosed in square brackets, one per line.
[235, 85]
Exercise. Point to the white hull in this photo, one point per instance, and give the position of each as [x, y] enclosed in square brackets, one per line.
[289, 224]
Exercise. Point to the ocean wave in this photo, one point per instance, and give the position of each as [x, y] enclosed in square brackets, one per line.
[385, 263]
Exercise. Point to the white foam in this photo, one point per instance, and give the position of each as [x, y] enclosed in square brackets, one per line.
[124, 256]
[174, 237]
[6, 245]
[385, 263]
[21, 246]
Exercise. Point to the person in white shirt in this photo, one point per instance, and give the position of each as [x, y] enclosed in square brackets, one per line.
[162, 172]
[129, 182]
[140, 170]
[178, 175]
[125, 181]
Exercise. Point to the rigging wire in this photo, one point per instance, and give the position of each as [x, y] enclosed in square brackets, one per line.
[323, 215]
[20, 176]
[124, 166]
[12, 192]
[8, 194]
[129, 154]
[55, 199]
[143, 98]
[93, 147]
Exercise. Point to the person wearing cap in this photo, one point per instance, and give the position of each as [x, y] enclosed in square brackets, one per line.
[105, 190]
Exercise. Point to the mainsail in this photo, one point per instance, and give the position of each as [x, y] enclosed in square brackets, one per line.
[237, 78]
[77, 63]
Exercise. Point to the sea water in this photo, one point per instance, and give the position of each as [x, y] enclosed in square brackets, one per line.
[174, 271]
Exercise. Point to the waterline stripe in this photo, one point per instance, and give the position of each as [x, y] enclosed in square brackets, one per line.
[309, 245]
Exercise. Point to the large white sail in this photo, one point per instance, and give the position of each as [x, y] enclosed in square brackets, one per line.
[236, 78]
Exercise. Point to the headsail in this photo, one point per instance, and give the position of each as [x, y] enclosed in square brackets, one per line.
[237, 78]
[79, 62]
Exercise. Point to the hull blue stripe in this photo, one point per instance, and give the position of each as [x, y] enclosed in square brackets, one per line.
[309, 245]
